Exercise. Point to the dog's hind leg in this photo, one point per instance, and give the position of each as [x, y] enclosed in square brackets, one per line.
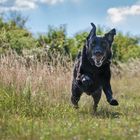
[76, 94]
[96, 98]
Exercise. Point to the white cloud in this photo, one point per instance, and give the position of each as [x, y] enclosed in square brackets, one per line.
[25, 4]
[117, 15]
[20, 5]
[51, 2]
[2, 1]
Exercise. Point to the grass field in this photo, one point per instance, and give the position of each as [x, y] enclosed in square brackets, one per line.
[35, 104]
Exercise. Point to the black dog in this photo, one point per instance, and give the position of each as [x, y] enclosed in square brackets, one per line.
[92, 69]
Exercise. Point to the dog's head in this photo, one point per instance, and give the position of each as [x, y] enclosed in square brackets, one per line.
[99, 48]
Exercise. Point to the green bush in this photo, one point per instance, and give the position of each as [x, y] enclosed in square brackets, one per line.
[125, 47]
[15, 38]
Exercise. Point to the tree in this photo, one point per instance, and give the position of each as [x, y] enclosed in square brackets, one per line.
[125, 47]
[14, 37]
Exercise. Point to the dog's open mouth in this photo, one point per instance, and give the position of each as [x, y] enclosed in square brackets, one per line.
[98, 59]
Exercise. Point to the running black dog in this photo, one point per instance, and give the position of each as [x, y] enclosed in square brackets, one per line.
[92, 69]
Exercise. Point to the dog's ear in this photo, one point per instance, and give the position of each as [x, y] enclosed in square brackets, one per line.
[110, 36]
[92, 32]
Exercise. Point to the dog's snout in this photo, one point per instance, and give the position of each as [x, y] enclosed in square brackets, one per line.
[98, 52]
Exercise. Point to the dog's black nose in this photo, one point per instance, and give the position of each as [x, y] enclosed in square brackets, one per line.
[98, 52]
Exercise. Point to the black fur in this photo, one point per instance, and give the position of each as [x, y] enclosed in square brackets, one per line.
[92, 69]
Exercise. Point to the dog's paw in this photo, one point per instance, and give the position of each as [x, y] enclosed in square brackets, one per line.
[75, 106]
[114, 102]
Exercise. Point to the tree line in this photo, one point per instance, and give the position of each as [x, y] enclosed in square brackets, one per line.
[14, 36]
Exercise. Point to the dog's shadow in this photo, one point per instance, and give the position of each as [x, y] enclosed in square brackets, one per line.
[107, 114]
[102, 113]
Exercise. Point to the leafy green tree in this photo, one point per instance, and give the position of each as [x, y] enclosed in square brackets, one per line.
[125, 47]
[55, 39]
[81, 39]
[14, 37]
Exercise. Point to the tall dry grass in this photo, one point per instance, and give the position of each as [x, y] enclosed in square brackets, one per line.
[54, 78]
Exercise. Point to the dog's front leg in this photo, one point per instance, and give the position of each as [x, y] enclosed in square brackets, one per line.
[107, 88]
[109, 95]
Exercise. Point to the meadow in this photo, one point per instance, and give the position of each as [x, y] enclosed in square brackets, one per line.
[35, 103]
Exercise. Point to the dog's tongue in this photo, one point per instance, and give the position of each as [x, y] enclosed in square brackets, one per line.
[98, 58]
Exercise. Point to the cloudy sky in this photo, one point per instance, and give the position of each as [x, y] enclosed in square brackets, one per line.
[77, 14]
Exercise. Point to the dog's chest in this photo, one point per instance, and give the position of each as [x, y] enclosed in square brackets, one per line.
[95, 74]
[96, 78]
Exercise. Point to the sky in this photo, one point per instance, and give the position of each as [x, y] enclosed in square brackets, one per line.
[124, 15]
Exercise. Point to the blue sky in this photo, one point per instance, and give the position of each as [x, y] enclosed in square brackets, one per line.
[124, 15]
